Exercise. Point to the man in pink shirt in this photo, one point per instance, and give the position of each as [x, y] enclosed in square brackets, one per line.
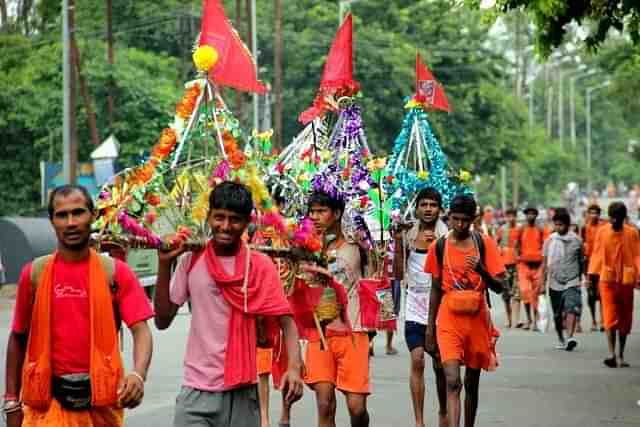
[228, 286]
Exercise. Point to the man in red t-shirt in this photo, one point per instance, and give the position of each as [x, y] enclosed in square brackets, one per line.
[72, 309]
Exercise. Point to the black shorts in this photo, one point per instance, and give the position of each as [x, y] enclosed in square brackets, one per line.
[414, 335]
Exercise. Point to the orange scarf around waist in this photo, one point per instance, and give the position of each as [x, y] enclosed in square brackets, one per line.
[105, 365]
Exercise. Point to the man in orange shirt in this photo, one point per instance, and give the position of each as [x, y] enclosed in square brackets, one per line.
[529, 249]
[614, 264]
[459, 327]
[589, 232]
[507, 238]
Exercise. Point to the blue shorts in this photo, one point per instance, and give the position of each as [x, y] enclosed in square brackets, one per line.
[414, 334]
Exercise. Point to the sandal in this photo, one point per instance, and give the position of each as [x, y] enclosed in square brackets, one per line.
[611, 362]
[391, 351]
[624, 364]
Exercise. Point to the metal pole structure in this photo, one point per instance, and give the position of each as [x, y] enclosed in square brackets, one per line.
[254, 51]
[572, 95]
[69, 150]
[343, 7]
[590, 90]
[560, 112]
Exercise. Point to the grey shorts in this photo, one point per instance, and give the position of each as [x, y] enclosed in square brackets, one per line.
[567, 301]
[233, 408]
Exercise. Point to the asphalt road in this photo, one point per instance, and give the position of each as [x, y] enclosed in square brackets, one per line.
[535, 385]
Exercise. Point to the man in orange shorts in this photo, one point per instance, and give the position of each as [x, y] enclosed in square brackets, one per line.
[614, 263]
[531, 239]
[344, 365]
[459, 323]
[507, 236]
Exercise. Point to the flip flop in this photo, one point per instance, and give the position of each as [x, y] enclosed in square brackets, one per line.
[519, 325]
[624, 365]
[611, 362]
[392, 352]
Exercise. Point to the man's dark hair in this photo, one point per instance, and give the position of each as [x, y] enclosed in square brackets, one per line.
[431, 194]
[464, 204]
[64, 191]
[323, 199]
[511, 211]
[562, 215]
[594, 207]
[617, 210]
[232, 196]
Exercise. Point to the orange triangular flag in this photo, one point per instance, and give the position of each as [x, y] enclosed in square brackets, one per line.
[428, 90]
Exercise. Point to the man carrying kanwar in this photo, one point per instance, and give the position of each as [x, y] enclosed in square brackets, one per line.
[561, 271]
[64, 366]
[529, 249]
[462, 265]
[589, 232]
[409, 260]
[507, 238]
[613, 267]
[229, 286]
[344, 363]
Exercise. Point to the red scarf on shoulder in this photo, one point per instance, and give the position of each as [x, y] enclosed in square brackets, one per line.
[253, 290]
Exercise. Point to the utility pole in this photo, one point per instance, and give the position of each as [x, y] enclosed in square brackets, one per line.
[254, 51]
[560, 112]
[69, 140]
[590, 90]
[515, 167]
[238, 24]
[277, 72]
[110, 60]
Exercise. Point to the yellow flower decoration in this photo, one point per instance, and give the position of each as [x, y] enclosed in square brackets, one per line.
[465, 176]
[201, 207]
[423, 175]
[412, 103]
[205, 57]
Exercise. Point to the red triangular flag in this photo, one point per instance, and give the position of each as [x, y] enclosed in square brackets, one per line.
[428, 90]
[235, 67]
[337, 76]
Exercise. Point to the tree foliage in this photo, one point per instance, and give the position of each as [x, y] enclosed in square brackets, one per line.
[552, 19]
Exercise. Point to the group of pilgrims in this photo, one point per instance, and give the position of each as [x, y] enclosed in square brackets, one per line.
[290, 262]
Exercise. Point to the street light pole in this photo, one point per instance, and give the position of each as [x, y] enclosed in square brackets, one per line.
[572, 100]
[590, 90]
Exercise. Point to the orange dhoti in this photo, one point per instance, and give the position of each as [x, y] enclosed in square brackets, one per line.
[529, 276]
[464, 338]
[57, 416]
[617, 306]
[264, 359]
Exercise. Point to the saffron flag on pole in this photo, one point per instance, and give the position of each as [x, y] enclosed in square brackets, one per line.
[428, 90]
[337, 75]
[236, 67]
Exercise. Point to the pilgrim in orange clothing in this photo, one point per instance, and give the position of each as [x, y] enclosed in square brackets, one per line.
[531, 239]
[459, 320]
[507, 237]
[588, 234]
[614, 261]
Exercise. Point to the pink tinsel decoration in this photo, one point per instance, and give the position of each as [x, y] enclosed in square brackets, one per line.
[221, 171]
[275, 220]
[131, 226]
[303, 232]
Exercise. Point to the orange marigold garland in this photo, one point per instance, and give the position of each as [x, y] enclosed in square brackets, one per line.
[235, 156]
[187, 104]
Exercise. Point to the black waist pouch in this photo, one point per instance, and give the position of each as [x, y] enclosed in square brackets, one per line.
[73, 391]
